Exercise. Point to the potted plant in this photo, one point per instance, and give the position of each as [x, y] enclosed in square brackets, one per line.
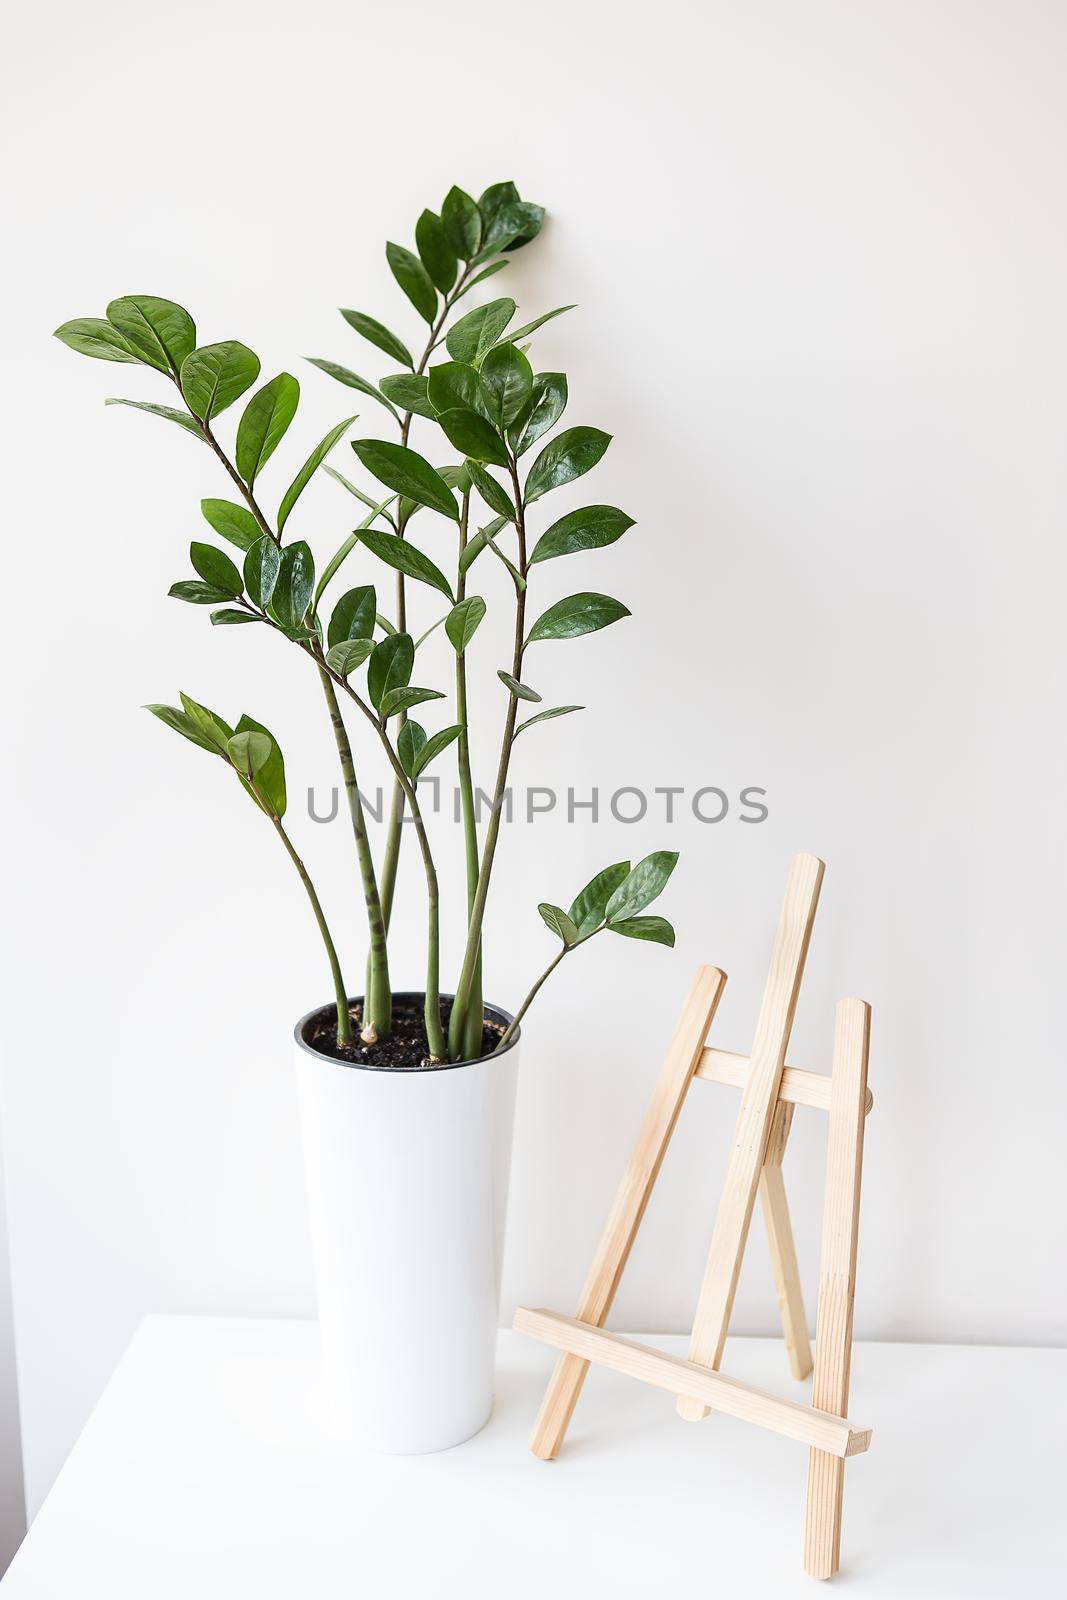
[406, 1099]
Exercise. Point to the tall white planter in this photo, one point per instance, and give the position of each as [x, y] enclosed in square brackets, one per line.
[407, 1175]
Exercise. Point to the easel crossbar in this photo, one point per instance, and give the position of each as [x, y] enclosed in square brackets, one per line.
[836, 1436]
[798, 1087]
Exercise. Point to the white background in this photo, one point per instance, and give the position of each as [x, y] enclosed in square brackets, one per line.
[819, 256]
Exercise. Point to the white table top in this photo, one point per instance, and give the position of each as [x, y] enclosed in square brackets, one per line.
[208, 1470]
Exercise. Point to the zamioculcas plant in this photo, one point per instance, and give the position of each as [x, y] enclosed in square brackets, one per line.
[467, 390]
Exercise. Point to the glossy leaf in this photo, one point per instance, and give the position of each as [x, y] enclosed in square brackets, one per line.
[408, 392]
[435, 252]
[474, 335]
[474, 547]
[413, 278]
[211, 725]
[353, 616]
[160, 331]
[351, 380]
[308, 470]
[390, 666]
[377, 334]
[410, 741]
[463, 620]
[376, 505]
[546, 716]
[345, 658]
[548, 400]
[270, 778]
[507, 377]
[171, 413]
[538, 322]
[577, 614]
[493, 493]
[400, 699]
[232, 522]
[294, 587]
[473, 435]
[230, 616]
[655, 929]
[496, 205]
[196, 593]
[216, 375]
[566, 457]
[263, 424]
[432, 748]
[641, 885]
[261, 571]
[558, 922]
[215, 567]
[521, 691]
[250, 751]
[93, 336]
[406, 558]
[408, 473]
[461, 223]
[456, 383]
[587, 912]
[182, 723]
[590, 528]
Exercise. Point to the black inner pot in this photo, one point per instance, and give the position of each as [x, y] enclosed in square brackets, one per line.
[406, 1049]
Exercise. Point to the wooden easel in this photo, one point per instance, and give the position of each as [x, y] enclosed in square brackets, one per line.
[769, 1092]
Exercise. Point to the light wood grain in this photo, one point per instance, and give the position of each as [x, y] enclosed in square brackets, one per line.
[837, 1279]
[758, 1101]
[831, 1434]
[775, 1209]
[612, 1253]
[798, 1087]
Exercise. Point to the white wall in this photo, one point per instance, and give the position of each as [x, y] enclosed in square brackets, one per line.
[819, 254]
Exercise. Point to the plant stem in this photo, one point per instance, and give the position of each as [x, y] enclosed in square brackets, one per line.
[465, 986]
[472, 1032]
[378, 994]
[564, 950]
[344, 1021]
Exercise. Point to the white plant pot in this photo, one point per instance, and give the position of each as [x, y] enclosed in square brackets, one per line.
[407, 1175]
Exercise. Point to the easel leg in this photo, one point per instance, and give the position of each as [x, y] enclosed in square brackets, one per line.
[775, 1208]
[837, 1279]
[676, 1074]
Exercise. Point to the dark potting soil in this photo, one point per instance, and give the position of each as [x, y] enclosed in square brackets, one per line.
[405, 1050]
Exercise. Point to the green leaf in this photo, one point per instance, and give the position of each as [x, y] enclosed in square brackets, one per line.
[250, 751]
[270, 779]
[480, 277]
[474, 335]
[516, 576]
[400, 699]
[461, 223]
[232, 522]
[215, 567]
[410, 740]
[171, 413]
[591, 528]
[558, 922]
[406, 558]
[182, 723]
[408, 473]
[345, 658]
[92, 336]
[546, 716]
[351, 379]
[587, 912]
[263, 424]
[390, 666]
[546, 405]
[577, 614]
[455, 383]
[210, 723]
[438, 256]
[216, 375]
[432, 748]
[294, 586]
[494, 494]
[376, 506]
[473, 435]
[474, 547]
[530, 219]
[198, 594]
[462, 622]
[521, 691]
[413, 278]
[508, 379]
[492, 204]
[538, 322]
[231, 616]
[377, 334]
[569, 455]
[384, 623]
[408, 392]
[641, 886]
[261, 571]
[656, 929]
[308, 470]
[162, 333]
[353, 616]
